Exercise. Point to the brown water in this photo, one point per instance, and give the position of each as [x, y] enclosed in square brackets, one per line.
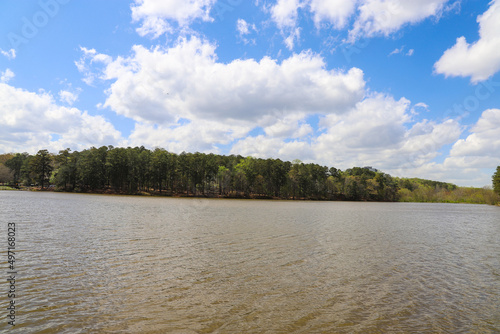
[113, 264]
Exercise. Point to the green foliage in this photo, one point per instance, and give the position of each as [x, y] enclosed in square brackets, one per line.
[15, 164]
[92, 172]
[6, 175]
[64, 175]
[223, 179]
[40, 167]
[139, 170]
[496, 181]
[418, 190]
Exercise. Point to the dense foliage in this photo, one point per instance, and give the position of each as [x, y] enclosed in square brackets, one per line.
[134, 170]
[418, 190]
[140, 170]
[496, 181]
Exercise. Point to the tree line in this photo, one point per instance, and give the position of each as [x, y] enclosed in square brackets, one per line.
[136, 170]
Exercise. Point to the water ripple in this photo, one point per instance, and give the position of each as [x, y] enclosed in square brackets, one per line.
[113, 264]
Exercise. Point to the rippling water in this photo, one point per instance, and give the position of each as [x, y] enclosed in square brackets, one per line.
[113, 264]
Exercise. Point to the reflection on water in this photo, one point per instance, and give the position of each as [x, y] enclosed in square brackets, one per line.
[112, 264]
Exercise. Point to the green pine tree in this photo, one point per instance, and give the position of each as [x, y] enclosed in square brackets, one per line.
[496, 181]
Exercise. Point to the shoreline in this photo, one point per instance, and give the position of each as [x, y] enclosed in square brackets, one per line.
[145, 193]
[230, 196]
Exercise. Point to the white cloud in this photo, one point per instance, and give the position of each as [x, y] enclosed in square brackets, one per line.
[378, 131]
[209, 103]
[195, 136]
[156, 89]
[420, 106]
[371, 17]
[336, 12]
[384, 17]
[244, 29]
[11, 54]
[285, 13]
[68, 97]
[425, 139]
[88, 62]
[401, 50]
[292, 126]
[483, 143]
[397, 51]
[154, 85]
[32, 121]
[154, 27]
[157, 15]
[479, 60]
[293, 37]
[6, 76]
[471, 160]
[265, 147]
[362, 126]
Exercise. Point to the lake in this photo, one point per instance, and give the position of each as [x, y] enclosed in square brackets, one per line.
[125, 264]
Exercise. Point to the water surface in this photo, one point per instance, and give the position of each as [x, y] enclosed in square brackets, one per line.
[118, 264]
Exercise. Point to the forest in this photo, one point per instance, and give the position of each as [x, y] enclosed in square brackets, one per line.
[139, 170]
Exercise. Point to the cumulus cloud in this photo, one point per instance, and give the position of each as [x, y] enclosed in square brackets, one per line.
[191, 136]
[371, 17]
[210, 103]
[483, 143]
[285, 13]
[471, 161]
[157, 16]
[384, 17]
[157, 90]
[291, 126]
[6, 76]
[361, 127]
[32, 121]
[378, 131]
[336, 12]
[154, 27]
[264, 146]
[479, 60]
[154, 85]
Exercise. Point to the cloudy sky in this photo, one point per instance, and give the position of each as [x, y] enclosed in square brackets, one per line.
[409, 87]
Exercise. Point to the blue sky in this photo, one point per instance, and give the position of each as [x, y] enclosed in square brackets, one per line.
[409, 87]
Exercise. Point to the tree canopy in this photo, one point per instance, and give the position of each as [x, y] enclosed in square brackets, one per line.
[496, 181]
[135, 170]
